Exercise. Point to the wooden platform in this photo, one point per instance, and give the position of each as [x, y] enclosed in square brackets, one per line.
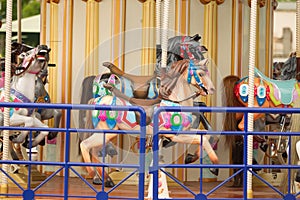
[55, 187]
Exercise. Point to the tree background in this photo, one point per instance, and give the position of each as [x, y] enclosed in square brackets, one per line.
[29, 8]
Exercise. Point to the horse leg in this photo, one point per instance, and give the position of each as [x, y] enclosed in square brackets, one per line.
[41, 136]
[56, 114]
[18, 120]
[187, 139]
[97, 178]
[95, 141]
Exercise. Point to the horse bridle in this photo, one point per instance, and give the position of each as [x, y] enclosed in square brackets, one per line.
[192, 72]
[26, 62]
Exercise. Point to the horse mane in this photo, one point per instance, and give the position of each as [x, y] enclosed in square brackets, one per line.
[229, 100]
[169, 80]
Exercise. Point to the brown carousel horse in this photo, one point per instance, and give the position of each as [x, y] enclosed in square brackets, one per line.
[269, 93]
[175, 90]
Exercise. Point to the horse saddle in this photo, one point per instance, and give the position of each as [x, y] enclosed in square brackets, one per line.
[139, 84]
[147, 104]
[282, 89]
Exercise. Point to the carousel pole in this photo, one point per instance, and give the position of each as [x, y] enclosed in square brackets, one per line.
[162, 192]
[4, 182]
[252, 50]
[158, 22]
[19, 8]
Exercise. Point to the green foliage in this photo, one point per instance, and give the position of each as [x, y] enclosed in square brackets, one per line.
[33, 8]
[29, 8]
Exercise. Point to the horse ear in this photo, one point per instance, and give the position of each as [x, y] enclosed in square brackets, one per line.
[196, 37]
[203, 48]
[203, 62]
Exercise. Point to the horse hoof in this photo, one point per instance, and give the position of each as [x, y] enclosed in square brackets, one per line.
[190, 158]
[111, 151]
[42, 143]
[214, 171]
[264, 147]
[97, 181]
[168, 143]
[109, 184]
[26, 144]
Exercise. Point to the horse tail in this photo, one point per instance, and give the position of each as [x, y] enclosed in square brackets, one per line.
[88, 118]
[229, 100]
[86, 95]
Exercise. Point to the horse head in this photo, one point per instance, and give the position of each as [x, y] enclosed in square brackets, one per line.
[179, 48]
[34, 60]
[191, 73]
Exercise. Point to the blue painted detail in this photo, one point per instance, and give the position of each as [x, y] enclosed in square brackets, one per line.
[28, 195]
[289, 197]
[102, 195]
[200, 197]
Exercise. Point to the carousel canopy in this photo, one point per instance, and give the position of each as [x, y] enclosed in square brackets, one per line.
[29, 25]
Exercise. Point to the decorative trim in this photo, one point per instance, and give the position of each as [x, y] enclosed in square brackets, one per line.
[53, 1]
[88, 0]
[219, 2]
[260, 3]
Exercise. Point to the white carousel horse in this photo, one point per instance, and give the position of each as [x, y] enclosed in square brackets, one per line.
[23, 91]
[175, 90]
[41, 94]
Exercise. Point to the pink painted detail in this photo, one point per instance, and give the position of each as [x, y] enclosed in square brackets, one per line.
[295, 95]
[159, 183]
[276, 93]
[185, 121]
[53, 141]
[102, 115]
[119, 117]
[167, 117]
[112, 79]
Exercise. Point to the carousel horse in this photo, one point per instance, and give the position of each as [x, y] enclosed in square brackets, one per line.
[41, 94]
[22, 91]
[179, 47]
[175, 90]
[269, 93]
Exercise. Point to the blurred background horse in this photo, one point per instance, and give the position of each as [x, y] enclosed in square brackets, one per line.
[268, 93]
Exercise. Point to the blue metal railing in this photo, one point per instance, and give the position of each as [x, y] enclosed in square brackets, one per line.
[68, 166]
[244, 167]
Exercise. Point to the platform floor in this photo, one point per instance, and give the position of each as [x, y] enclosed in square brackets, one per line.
[77, 187]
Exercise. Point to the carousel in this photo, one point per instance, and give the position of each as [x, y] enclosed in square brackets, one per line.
[145, 99]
